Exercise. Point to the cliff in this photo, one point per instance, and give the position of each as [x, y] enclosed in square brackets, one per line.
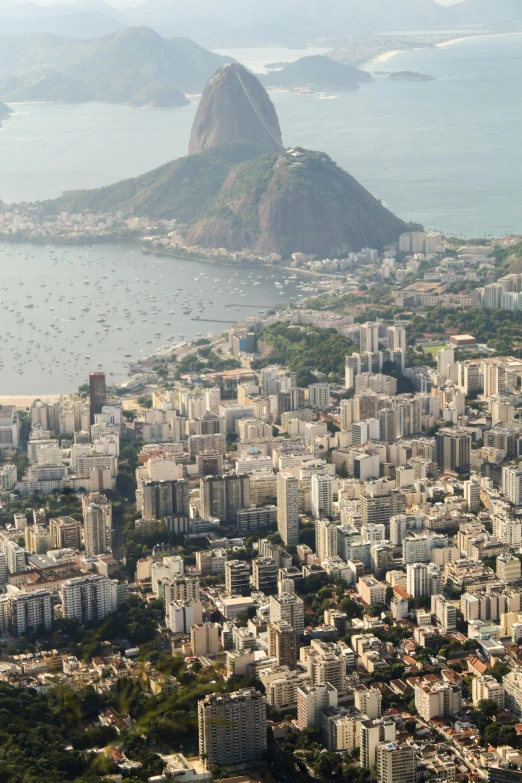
[235, 106]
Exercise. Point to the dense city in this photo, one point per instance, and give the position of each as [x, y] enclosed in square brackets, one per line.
[296, 554]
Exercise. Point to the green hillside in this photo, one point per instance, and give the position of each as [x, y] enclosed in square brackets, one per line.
[181, 189]
[295, 201]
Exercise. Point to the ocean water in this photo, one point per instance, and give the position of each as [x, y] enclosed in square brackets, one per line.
[66, 311]
[444, 153]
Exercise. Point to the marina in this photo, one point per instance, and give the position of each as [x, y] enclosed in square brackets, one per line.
[67, 310]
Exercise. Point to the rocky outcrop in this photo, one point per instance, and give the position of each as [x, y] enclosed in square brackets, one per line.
[295, 201]
[235, 106]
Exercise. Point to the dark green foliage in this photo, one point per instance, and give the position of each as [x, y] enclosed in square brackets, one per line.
[304, 349]
[181, 189]
[500, 329]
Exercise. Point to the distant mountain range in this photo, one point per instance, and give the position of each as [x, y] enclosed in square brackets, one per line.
[135, 66]
[237, 22]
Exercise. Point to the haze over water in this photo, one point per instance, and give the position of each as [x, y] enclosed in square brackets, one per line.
[444, 153]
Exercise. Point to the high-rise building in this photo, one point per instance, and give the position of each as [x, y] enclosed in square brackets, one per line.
[396, 763]
[486, 687]
[97, 393]
[472, 494]
[453, 451]
[15, 557]
[65, 533]
[322, 495]
[97, 520]
[512, 484]
[288, 608]
[397, 338]
[222, 496]
[440, 699]
[264, 574]
[232, 728]
[325, 538]
[445, 357]
[512, 682]
[88, 598]
[165, 499]
[181, 616]
[311, 701]
[237, 577]
[30, 612]
[369, 334]
[319, 395]
[373, 732]
[368, 701]
[288, 508]
[204, 639]
[282, 644]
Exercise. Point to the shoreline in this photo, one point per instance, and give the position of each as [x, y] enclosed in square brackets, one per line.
[392, 52]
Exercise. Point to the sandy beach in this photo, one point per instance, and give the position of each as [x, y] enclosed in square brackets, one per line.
[26, 400]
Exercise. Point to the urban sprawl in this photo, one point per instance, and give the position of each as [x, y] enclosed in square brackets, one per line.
[285, 579]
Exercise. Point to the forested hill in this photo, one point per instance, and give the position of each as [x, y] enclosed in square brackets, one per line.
[304, 349]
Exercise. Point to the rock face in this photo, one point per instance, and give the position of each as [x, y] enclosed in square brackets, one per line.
[235, 106]
[294, 201]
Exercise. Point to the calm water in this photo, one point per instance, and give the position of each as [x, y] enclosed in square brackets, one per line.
[51, 346]
[444, 153]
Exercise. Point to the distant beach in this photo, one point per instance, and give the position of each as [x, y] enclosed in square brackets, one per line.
[380, 58]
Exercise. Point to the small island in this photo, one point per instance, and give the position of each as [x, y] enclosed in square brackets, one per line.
[410, 76]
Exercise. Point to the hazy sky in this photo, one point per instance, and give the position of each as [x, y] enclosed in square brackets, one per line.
[123, 3]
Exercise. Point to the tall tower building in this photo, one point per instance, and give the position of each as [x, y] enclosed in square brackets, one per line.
[397, 338]
[282, 644]
[322, 495]
[453, 451]
[472, 494]
[97, 520]
[288, 508]
[396, 763]
[97, 393]
[512, 484]
[325, 539]
[87, 598]
[369, 337]
[232, 728]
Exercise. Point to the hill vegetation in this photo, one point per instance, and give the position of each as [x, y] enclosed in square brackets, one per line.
[318, 73]
[295, 201]
[181, 189]
[304, 349]
[134, 66]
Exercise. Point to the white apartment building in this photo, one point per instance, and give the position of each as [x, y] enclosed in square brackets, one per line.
[288, 608]
[288, 508]
[486, 687]
[325, 539]
[88, 598]
[30, 611]
[440, 700]
[322, 495]
[311, 701]
[512, 484]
